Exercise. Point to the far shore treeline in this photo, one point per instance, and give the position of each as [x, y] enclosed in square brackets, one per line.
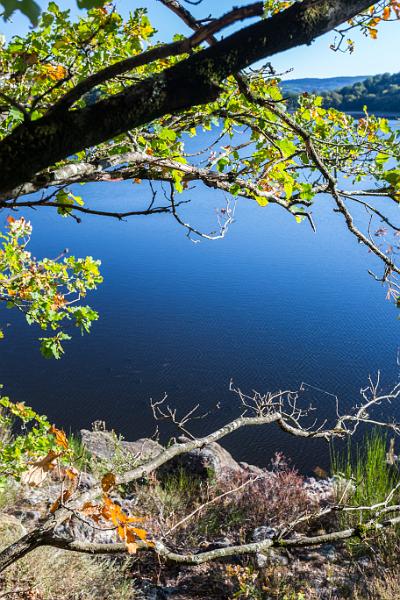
[380, 93]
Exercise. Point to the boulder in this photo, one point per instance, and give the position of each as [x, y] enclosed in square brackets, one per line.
[210, 462]
[105, 445]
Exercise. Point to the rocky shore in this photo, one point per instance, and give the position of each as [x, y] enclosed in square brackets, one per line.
[212, 465]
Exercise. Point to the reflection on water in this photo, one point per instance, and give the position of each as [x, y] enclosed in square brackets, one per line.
[270, 306]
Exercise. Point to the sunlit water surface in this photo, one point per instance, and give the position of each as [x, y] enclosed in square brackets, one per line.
[270, 306]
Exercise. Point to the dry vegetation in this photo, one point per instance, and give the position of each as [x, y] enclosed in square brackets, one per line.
[47, 573]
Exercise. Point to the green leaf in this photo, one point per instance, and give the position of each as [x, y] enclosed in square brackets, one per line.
[88, 4]
[52, 347]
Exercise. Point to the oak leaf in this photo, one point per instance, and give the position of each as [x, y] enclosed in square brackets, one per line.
[39, 470]
[60, 437]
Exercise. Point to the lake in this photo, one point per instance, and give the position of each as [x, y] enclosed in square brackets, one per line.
[270, 306]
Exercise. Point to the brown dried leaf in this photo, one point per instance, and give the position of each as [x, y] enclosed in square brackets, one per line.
[108, 482]
[61, 438]
[61, 499]
[39, 470]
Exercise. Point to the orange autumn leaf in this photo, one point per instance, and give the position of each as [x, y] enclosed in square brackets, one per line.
[10, 219]
[121, 530]
[58, 302]
[373, 33]
[140, 533]
[71, 473]
[135, 519]
[22, 410]
[60, 437]
[386, 13]
[113, 512]
[93, 511]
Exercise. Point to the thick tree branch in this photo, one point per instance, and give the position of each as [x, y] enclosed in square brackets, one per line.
[35, 539]
[36, 145]
[160, 52]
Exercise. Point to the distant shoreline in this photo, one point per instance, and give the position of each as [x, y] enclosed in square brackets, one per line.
[383, 115]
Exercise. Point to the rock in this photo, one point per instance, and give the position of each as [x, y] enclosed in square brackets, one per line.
[320, 489]
[86, 481]
[260, 534]
[364, 561]
[150, 592]
[325, 553]
[271, 556]
[105, 445]
[11, 529]
[83, 532]
[27, 516]
[252, 469]
[210, 462]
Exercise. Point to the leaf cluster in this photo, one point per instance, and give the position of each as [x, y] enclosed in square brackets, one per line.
[47, 291]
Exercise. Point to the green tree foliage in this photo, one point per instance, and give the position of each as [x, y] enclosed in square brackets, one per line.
[27, 438]
[68, 68]
[31, 9]
[47, 291]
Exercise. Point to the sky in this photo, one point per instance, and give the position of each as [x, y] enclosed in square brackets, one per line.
[318, 60]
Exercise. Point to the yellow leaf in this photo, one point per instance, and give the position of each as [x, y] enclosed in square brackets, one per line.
[386, 13]
[261, 200]
[55, 73]
[141, 533]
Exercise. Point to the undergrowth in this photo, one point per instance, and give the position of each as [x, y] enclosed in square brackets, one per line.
[364, 478]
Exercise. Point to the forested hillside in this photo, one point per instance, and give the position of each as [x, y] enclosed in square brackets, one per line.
[380, 93]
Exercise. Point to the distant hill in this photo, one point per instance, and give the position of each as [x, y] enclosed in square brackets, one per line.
[319, 85]
[381, 94]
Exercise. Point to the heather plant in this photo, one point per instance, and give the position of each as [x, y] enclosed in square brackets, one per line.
[248, 501]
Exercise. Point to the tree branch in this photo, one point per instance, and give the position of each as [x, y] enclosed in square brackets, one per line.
[36, 145]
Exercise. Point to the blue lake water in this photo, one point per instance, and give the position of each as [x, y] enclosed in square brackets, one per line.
[271, 305]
